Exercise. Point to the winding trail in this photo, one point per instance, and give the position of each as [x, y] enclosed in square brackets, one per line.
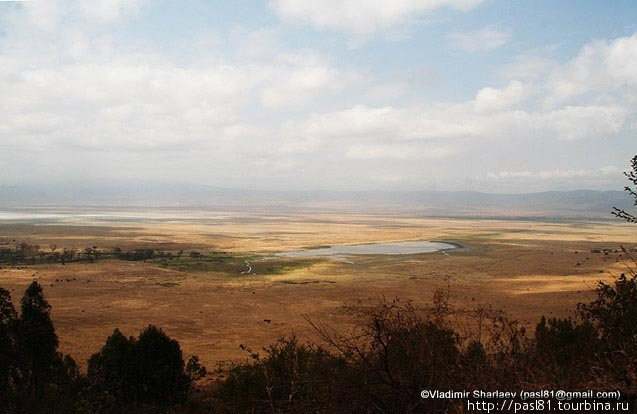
[249, 268]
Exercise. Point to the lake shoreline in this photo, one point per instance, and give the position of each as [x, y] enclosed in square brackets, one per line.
[405, 247]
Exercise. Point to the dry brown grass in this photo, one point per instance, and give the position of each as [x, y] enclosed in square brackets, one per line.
[527, 268]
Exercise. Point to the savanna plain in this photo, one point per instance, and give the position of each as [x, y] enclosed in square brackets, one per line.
[216, 281]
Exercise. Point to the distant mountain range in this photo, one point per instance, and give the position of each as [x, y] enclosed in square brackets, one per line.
[578, 203]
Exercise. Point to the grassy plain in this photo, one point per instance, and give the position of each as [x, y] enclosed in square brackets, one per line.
[525, 267]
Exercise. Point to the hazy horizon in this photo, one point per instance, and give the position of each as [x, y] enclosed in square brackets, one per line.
[95, 197]
[470, 95]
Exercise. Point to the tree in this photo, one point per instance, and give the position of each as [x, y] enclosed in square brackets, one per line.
[632, 177]
[149, 369]
[194, 369]
[8, 319]
[37, 341]
[112, 369]
[161, 375]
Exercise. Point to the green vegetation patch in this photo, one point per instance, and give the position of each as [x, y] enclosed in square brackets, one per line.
[228, 264]
[278, 267]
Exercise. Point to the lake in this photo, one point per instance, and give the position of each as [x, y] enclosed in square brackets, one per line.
[392, 248]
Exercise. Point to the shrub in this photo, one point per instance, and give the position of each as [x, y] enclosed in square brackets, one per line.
[290, 378]
[565, 349]
[614, 315]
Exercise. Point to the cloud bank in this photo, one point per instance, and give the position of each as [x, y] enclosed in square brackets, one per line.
[248, 110]
[362, 17]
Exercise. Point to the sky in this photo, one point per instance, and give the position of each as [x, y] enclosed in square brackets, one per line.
[486, 95]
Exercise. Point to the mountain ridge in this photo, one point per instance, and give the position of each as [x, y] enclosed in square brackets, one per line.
[467, 202]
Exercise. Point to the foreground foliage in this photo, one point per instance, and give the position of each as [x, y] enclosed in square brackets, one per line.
[394, 351]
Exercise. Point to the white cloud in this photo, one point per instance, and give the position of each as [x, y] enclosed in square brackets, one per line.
[109, 10]
[388, 124]
[606, 171]
[478, 122]
[77, 101]
[387, 92]
[606, 69]
[118, 98]
[528, 67]
[491, 99]
[621, 60]
[361, 17]
[578, 122]
[304, 84]
[481, 40]
[398, 152]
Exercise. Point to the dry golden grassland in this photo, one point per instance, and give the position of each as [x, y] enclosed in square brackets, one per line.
[527, 268]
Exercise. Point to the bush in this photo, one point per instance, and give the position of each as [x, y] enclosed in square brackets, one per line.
[565, 349]
[394, 351]
[290, 378]
[614, 316]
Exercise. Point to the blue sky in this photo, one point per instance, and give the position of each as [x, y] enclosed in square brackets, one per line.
[495, 96]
